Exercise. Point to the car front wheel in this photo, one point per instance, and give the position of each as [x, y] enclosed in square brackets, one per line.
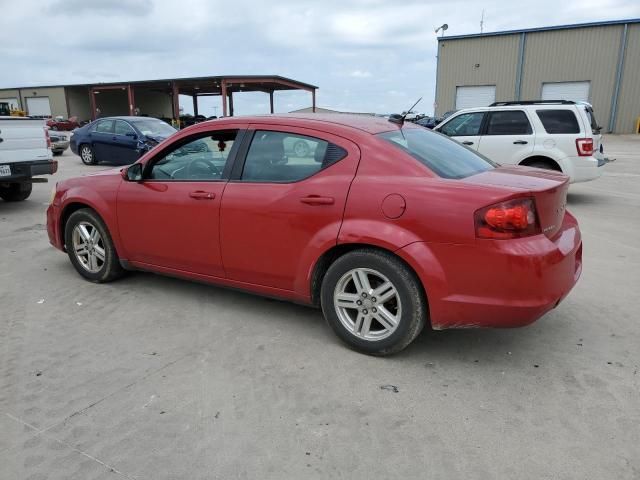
[90, 247]
[373, 302]
[86, 155]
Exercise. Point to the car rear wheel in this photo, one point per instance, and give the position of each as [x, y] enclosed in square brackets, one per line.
[86, 155]
[373, 302]
[16, 192]
[90, 247]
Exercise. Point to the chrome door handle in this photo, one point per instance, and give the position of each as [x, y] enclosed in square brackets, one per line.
[201, 195]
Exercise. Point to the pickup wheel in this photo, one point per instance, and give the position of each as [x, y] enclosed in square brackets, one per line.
[16, 192]
[87, 155]
[90, 247]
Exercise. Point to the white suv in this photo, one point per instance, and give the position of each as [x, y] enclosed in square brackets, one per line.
[558, 135]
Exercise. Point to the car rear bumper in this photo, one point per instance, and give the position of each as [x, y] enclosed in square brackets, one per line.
[584, 169]
[497, 283]
[24, 171]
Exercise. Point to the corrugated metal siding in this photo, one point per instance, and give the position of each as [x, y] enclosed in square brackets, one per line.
[497, 58]
[585, 54]
[629, 99]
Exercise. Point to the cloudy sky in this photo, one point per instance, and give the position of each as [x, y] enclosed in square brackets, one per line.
[365, 55]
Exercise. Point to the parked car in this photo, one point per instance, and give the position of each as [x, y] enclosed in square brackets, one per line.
[557, 135]
[120, 140]
[64, 124]
[25, 153]
[59, 142]
[428, 122]
[389, 227]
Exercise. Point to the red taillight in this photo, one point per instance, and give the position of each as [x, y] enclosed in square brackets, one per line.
[511, 219]
[584, 146]
[46, 134]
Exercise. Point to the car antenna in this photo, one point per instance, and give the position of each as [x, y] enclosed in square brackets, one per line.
[399, 119]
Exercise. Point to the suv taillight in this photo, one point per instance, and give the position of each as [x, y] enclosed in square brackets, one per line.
[46, 134]
[584, 146]
[512, 219]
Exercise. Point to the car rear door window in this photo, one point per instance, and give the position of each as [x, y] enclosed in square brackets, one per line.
[510, 122]
[104, 126]
[279, 157]
[465, 125]
[122, 128]
[200, 158]
[559, 121]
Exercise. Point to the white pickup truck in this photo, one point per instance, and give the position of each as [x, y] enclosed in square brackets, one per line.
[25, 152]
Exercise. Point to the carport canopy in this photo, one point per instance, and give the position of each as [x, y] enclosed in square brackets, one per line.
[224, 86]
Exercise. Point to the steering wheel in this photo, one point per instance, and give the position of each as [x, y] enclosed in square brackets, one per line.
[202, 165]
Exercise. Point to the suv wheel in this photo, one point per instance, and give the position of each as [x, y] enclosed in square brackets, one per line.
[90, 247]
[373, 302]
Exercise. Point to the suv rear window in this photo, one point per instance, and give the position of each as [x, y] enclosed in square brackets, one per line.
[443, 156]
[559, 121]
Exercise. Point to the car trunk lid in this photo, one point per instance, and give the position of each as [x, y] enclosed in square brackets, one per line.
[547, 187]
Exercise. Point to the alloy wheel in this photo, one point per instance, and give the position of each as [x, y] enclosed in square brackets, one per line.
[86, 154]
[88, 247]
[367, 304]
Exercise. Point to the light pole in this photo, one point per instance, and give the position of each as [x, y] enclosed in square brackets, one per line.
[441, 28]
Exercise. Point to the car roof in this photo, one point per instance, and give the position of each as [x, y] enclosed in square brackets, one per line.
[367, 123]
[129, 118]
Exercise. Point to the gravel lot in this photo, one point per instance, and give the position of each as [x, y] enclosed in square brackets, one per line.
[158, 378]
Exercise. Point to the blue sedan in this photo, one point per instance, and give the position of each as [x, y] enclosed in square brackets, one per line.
[120, 140]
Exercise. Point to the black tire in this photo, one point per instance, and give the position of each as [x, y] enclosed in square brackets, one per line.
[111, 268]
[57, 153]
[414, 311]
[87, 155]
[542, 164]
[16, 192]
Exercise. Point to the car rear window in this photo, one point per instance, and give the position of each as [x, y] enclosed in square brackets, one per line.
[559, 121]
[443, 156]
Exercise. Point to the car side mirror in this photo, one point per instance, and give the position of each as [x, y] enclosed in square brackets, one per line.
[132, 135]
[133, 173]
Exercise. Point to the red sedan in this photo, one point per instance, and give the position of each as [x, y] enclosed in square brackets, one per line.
[384, 226]
[63, 124]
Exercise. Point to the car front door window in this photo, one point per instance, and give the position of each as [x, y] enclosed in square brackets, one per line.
[201, 159]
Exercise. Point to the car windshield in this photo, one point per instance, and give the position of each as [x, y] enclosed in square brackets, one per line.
[153, 127]
[445, 157]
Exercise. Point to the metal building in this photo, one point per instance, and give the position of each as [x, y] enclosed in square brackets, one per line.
[594, 62]
[155, 98]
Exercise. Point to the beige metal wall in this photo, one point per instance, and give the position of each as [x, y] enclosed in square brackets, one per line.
[79, 104]
[580, 54]
[57, 99]
[11, 93]
[629, 98]
[476, 61]
[153, 103]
